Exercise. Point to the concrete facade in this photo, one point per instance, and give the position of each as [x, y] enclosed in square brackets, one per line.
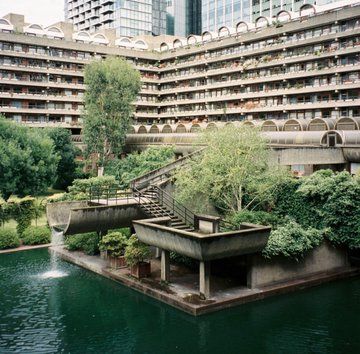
[305, 67]
[264, 272]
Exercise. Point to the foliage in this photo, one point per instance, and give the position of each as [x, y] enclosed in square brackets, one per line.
[335, 200]
[27, 160]
[289, 202]
[233, 172]
[36, 235]
[135, 164]
[8, 239]
[23, 213]
[6, 211]
[88, 243]
[136, 251]
[67, 168]
[187, 261]
[112, 87]
[292, 240]
[114, 244]
[253, 217]
[80, 187]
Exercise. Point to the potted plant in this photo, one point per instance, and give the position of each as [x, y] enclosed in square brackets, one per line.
[136, 255]
[113, 245]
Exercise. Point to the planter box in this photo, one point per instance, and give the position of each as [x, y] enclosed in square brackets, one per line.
[117, 262]
[324, 258]
[141, 270]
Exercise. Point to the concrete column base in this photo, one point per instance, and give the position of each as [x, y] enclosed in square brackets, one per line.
[165, 265]
[204, 275]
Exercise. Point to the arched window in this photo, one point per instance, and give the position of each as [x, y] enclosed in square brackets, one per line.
[100, 39]
[223, 32]
[307, 10]
[207, 36]
[261, 22]
[283, 16]
[242, 27]
[140, 44]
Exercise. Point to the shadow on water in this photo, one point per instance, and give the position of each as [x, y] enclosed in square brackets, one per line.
[83, 312]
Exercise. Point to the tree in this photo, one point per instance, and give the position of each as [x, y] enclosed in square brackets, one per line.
[112, 87]
[233, 173]
[27, 160]
[135, 164]
[67, 151]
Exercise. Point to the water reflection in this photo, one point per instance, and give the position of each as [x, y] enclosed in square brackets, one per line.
[83, 312]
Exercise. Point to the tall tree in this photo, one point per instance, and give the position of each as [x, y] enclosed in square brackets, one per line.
[112, 87]
[27, 160]
[67, 151]
[233, 173]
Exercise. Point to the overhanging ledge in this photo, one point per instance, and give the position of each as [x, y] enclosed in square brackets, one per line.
[203, 247]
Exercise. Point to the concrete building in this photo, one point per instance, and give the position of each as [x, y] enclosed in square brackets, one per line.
[128, 18]
[217, 13]
[304, 67]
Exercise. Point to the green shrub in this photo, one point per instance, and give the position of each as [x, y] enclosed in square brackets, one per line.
[80, 187]
[114, 244]
[292, 241]
[254, 217]
[8, 239]
[136, 251]
[88, 243]
[24, 212]
[36, 235]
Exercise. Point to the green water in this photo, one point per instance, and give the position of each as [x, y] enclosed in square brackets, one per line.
[84, 313]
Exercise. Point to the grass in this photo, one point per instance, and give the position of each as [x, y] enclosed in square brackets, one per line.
[42, 221]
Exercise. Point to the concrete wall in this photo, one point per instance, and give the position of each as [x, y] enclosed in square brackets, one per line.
[263, 272]
[58, 214]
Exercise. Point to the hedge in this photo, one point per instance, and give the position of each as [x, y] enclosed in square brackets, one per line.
[8, 239]
[36, 235]
[88, 243]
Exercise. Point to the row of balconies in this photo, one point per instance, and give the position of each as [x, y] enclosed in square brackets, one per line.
[64, 112]
[241, 96]
[251, 109]
[260, 51]
[42, 97]
[258, 66]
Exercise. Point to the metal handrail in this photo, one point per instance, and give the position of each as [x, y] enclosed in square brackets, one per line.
[176, 207]
[159, 172]
[107, 193]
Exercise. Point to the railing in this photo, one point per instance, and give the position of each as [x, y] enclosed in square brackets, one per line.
[109, 195]
[161, 173]
[174, 206]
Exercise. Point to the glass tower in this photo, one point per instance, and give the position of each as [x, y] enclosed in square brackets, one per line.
[183, 17]
[217, 13]
[128, 17]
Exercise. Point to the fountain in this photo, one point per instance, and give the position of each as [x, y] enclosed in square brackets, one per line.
[57, 239]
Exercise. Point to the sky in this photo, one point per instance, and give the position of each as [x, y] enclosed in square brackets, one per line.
[43, 12]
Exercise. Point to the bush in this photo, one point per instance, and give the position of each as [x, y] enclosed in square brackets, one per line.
[36, 235]
[114, 244]
[253, 217]
[136, 251]
[88, 243]
[8, 239]
[292, 241]
[80, 187]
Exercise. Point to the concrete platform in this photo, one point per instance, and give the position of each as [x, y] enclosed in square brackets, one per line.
[24, 248]
[182, 293]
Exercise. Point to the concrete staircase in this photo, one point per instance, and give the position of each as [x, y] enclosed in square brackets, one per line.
[161, 204]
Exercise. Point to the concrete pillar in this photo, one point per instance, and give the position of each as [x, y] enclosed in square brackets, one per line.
[165, 265]
[204, 274]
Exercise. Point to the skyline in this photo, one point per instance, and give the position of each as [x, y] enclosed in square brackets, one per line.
[35, 11]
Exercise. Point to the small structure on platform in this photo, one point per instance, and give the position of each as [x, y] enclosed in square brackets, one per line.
[205, 244]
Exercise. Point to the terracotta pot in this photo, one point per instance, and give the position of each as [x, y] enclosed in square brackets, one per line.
[117, 262]
[141, 270]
